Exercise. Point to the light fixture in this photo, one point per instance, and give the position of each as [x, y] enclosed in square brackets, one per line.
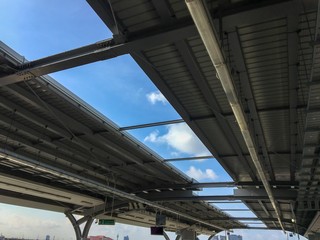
[203, 22]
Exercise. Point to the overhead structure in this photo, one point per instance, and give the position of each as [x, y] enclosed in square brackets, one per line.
[247, 85]
[62, 155]
[203, 22]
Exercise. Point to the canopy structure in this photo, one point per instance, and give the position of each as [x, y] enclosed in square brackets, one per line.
[242, 74]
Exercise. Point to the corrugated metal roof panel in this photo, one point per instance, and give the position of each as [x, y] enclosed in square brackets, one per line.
[276, 130]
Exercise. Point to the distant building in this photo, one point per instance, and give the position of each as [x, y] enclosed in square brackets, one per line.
[100, 237]
[2, 237]
[235, 237]
[126, 238]
[230, 237]
[219, 238]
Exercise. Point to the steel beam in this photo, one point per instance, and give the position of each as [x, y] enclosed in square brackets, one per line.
[278, 184]
[281, 184]
[53, 148]
[88, 140]
[192, 65]
[264, 208]
[255, 15]
[312, 129]
[293, 44]
[155, 124]
[313, 74]
[86, 170]
[164, 11]
[224, 202]
[103, 188]
[235, 210]
[154, 75]
[236, 48]
[102, 50]
[187, 158]
[260, 153]
[278, 193]
[80, 235]
[207, 32]
[249, 219]
[104, 10]
[220, 198]
[108, 49]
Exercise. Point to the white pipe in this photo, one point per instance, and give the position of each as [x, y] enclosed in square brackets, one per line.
[206, 30]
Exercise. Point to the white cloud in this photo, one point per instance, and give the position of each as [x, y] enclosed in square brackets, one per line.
[152, 137]
[29, 223]
[199, 175]
[157, 96]
[181, 138]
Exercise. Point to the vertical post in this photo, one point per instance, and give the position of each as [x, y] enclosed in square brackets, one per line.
[87, 228]
[211, 237]
[76, 226]
[187, 234]
[166, 236]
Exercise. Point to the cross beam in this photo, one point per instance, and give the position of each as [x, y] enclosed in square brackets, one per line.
[98, 51]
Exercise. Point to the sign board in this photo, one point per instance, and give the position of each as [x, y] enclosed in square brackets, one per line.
[156, 230]
[106, 222]
[160, 220]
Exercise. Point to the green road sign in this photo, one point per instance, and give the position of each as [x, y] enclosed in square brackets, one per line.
[106, 222]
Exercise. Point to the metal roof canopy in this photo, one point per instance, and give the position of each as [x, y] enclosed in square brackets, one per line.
[59, 144]
[271, 48]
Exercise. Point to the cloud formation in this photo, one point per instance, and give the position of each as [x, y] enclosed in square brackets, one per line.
[156, 96]
[199, 175]
[181, 138]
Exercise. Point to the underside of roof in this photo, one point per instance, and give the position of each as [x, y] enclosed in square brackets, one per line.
[272, 52]
[58, 151]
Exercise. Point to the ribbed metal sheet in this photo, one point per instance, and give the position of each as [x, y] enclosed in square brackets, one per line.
[136, 15]
[209, 72]
[283, 115]
[269, 83]
[179, 79]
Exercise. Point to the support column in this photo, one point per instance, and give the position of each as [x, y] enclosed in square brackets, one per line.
[166, 236]
[188, 235]
[211, 237]
[88, 220]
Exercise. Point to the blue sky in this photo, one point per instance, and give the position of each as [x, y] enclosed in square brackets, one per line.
[118, 88]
